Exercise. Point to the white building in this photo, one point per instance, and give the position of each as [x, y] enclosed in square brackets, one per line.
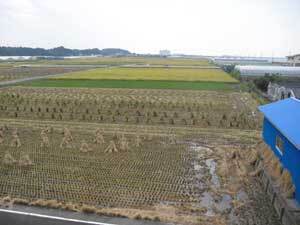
[164, 53]
[287, 71]
[277, 92]
[294, 60]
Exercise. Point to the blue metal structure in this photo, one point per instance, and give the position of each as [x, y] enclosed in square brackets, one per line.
[281, 132]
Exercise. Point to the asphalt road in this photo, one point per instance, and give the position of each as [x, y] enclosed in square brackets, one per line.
[24, 215]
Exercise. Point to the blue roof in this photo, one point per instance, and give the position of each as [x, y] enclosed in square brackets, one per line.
[285, 116]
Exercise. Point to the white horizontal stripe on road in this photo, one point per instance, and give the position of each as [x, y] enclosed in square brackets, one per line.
[53, 217]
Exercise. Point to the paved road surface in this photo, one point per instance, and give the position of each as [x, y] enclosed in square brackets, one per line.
[24, 215]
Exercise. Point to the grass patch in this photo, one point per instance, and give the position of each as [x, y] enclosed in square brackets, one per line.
[174, 74]
[133, 84]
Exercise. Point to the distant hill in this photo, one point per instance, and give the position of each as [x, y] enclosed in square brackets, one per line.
[60, 51]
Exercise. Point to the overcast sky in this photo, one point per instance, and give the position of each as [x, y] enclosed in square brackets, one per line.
[211, 27]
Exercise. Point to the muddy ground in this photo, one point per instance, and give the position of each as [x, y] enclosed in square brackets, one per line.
[231, 194]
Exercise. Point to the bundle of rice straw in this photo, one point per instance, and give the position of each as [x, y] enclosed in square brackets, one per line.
[25, 160]
[8, 159]
[286, 184]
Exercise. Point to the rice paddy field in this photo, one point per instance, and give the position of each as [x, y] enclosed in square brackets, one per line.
[143, 78]
[121, 72]
[118, 61]
[9, 72]
[174, 107]
[165, 143]
[133, 84]
[180, 157]
[173, 74]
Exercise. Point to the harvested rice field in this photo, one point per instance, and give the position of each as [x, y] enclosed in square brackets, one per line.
[180, 157]
[132, 106]
[172, 74]
[13, 73]
[119, 61]
[172, 174]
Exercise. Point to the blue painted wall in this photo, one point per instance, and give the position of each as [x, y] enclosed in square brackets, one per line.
[290, 159]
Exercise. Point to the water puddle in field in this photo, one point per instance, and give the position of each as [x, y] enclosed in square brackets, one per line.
[242, 196]
[199, 148]
[205, 167]
[224, 204]
[205, 164]
[215, 204]
[199, 165]
[211, 164]
[233, 217]
[207, 201]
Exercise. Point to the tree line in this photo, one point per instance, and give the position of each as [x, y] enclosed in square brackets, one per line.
[60, 51]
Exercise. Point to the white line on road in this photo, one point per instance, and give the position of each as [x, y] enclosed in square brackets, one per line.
[53, 217]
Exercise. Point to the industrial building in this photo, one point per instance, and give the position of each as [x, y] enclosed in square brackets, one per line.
[294, 60]
[164, 53]
[281, 90]
[257, 71]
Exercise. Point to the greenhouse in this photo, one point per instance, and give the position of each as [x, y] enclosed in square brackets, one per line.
[268, 70]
